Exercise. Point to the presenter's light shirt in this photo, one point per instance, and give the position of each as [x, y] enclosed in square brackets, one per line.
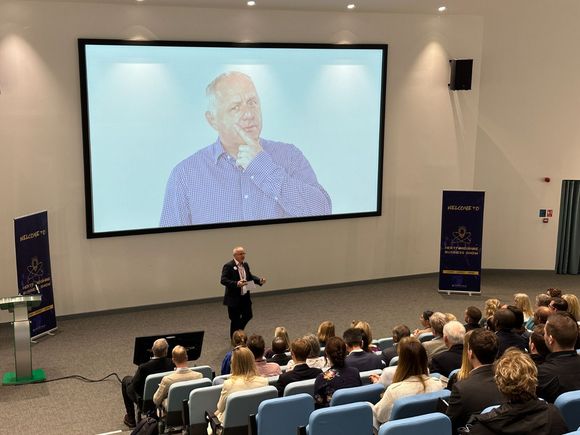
[208, 187]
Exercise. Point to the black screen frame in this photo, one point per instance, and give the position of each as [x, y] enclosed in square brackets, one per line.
[89, 209]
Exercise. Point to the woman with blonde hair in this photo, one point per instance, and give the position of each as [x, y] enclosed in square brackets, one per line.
[368, 345]
[491, 306]
[279, 332]
[325, 331]
[573, 305]
[411, 377]
[244, 377]
[522, 301]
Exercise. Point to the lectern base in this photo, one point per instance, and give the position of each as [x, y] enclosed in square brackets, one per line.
[9, 378]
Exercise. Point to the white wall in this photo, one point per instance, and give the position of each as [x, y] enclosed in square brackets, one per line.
[430, 146]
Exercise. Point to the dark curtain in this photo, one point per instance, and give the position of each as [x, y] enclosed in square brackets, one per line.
[568, 252]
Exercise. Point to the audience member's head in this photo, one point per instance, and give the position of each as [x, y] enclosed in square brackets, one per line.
[558, 304]
[335, 351]
[353, 337]
[314, 345]
[243, 363]
[537, 342]
[257, 346]
[239, 338]
[325, 331]
[554, 292]
[399, 332]
[491, 306]
[516, 376]
[522, 301]
[437, 322]
[279, 346]
[466, 365]
[519, 316]
[504, 319]
[573, 305]
[450, 316]
[159, 348]
[300, 349]
[424, 318]
[472, 315]
[282, 332]
[179, 356]
[482, 347]
[542, 300]
[367, 333]
[453, 333]
[412, 360]
[541, 314]
[561, 332]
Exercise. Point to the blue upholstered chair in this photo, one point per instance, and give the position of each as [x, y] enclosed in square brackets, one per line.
[178, 392]
[219, 380]
[206, 371]
[350, 419]
[394, 361]
[298, 387]
[366, 393]
[569, 406]
[282, 415]
[201, 400]
[151, 384]
[385, 343]
[364, 376]
[425, 336]
[418, 404]
[432, 424]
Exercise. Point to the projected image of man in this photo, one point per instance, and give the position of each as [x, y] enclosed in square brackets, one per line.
[241, 176]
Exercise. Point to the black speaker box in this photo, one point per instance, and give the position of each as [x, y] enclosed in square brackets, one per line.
[461, 70]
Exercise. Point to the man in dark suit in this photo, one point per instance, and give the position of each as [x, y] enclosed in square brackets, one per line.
[299, 349]
[479, 390]
[235, 277]
[132, 386]
[559, 372]
[449, 360]
[357, 357]
[505, 321]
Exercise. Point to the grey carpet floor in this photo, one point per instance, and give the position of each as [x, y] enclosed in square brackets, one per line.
[96, 345]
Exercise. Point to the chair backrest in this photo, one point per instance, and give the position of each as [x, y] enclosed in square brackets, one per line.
[201, 400]
[394, 361]
[151, 384]
[425, 336]
[452, 372]
[569, 406]
[178, 392]
[282, 415]
[219, 380]
[273, 380]
[385, 343]
[364, 376]
[366, 393]
[433, 424]
[298, 387]
[206, 371]
[350, 419]
[241, 404]
[418, 404]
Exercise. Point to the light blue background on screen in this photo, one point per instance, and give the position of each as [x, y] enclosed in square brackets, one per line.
[147, 113]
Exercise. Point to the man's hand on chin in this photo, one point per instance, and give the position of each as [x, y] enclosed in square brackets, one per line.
[249, 150]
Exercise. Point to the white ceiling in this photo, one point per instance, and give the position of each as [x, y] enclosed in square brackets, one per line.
[471, 7]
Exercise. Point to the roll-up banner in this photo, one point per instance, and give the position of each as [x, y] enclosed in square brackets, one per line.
[461, 240]
[33, 269]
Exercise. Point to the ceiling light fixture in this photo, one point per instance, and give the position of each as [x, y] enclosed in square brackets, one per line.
[442, 8]
[351, 6]
[251, 3]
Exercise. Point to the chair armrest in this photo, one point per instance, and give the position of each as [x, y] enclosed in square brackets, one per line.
[185, 413]
[252, 425]
[301, 430]
[213, 421]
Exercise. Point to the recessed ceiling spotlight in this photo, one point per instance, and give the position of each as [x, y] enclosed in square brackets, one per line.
[442, 8]
[251, 3]
[351, 6]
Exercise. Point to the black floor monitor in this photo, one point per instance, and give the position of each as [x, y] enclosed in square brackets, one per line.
[192, 341]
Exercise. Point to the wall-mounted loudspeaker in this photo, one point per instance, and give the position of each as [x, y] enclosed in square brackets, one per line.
[461, 70]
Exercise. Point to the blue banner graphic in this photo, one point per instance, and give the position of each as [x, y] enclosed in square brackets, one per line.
[461, 239]
[33, 269]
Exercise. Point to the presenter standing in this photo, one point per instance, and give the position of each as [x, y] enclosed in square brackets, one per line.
[238, 281]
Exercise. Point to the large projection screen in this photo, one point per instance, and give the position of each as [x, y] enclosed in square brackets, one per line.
[195, 135]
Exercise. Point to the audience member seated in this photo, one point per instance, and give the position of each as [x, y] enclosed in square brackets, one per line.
[368, 345]
[519, 327]
[554, 292]
[182, 373]
[573, 305]
[558, 304]
[560, 371]
[542, 300]
[279, 332]
[473, 393]
[337, 376]
[239, 338]
[491, 306]
[279, 356]
[411, 377]
[357, 357]
[264, 368]
[436, 345]
[314, 359]
[541, 315]
[299, 349]
[449, 317]
[244, 377]
[537, 345]
[523, 413]
[522, 301]
[398, 332]
[425, 324]
[466, 367]
[472, 318]
[449, 360]
[132, 386]
[325, 331]
[504, 321]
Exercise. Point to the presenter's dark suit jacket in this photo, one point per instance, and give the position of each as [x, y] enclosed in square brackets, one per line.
[473, 395]
[230, 278]
[155, 365]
